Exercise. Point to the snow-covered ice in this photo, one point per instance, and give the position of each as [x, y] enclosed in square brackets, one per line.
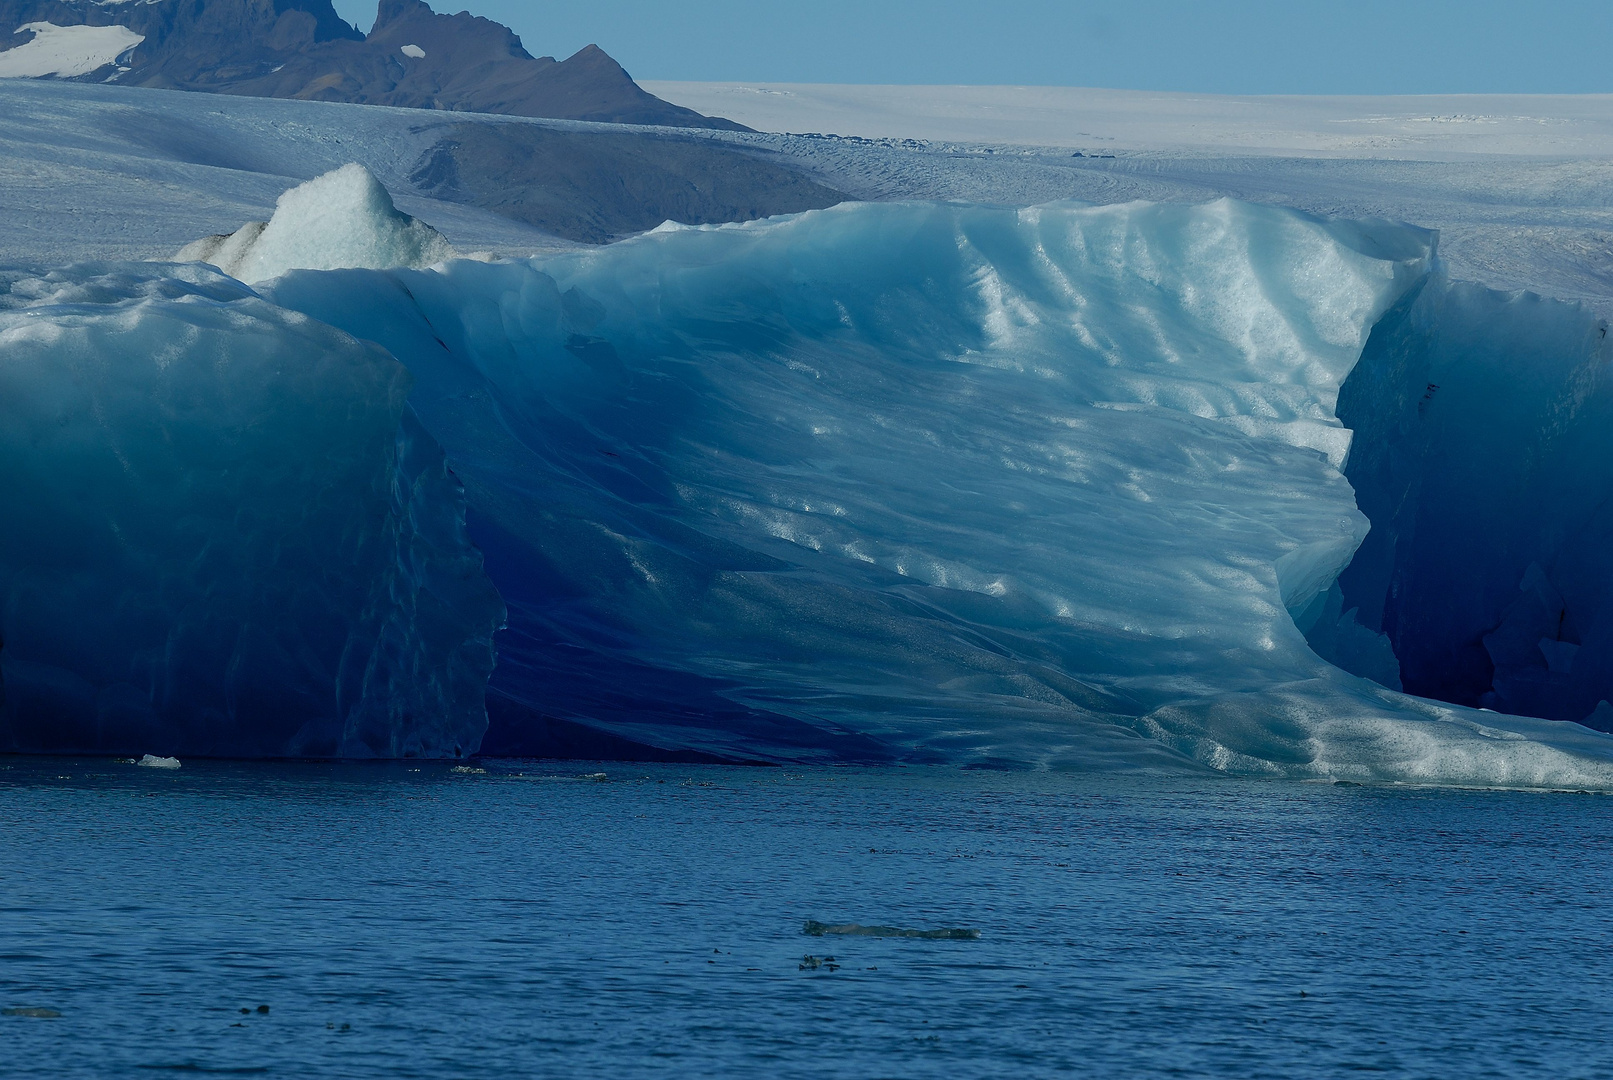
[1078, 117]
[90, 171]
[94, 172]
[344, 218]
[65, 52]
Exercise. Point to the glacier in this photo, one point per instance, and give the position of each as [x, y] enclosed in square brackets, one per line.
[225, 534]
[1063, 487]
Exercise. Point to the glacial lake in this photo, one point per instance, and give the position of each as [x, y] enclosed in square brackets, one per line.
[527, 920]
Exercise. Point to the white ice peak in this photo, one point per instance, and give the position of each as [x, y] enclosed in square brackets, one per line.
[344, 218]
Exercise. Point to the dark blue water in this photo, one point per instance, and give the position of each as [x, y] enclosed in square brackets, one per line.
[523, 922]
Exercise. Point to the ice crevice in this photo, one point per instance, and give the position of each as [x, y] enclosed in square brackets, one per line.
[1073, 487]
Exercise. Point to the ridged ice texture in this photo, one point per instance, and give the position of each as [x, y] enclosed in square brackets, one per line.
[224, 532]
[932, 482]
[343, 218]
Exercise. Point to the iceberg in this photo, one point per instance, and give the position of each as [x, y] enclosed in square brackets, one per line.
[225, 534]
[1072, 487]
[936, 483]
[345, 218]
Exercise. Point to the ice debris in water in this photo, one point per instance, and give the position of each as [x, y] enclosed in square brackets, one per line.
[344, 218]
[34, 1012]
[945, 933]
[152, 761]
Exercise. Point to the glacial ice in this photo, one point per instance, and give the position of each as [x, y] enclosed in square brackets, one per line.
[927, 482]
[344, 218]
[1484, 458]
[224, 532]
[1057, 487]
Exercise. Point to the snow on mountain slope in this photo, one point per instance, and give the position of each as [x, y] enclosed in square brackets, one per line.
[93, 171]
[304, 50]
[97, 172]
[65, 51]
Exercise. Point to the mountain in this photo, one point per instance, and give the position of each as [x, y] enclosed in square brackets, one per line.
[412, 57]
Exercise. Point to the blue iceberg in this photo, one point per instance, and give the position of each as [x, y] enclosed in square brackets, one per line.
[1059, 487]
[225, 533]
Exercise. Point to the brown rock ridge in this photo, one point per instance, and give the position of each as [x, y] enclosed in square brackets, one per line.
[413, 58]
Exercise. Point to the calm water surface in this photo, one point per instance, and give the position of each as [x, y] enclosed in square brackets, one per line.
[525, 922]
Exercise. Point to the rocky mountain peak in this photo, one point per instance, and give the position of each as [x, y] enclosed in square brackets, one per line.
[413, 57]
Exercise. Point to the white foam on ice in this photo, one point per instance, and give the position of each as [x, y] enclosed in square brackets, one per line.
[344, 218]
[66, 52]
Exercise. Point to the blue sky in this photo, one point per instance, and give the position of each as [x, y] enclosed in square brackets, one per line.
[1233, 46]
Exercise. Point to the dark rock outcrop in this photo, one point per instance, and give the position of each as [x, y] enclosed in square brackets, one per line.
[595, 186]
[413, 58]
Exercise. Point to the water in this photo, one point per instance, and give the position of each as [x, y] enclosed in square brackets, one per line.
[417, 922]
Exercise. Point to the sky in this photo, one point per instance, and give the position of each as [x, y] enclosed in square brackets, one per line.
[1232, 46]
